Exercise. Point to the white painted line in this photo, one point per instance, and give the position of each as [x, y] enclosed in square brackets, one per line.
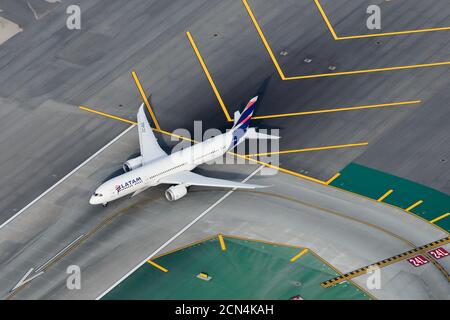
[65, 177]
[24, 279]
[60, 252]
[177, 235]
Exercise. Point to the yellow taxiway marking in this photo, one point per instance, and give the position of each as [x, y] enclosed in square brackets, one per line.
[445, 215]
[222, 243]
[208, 75]
[337, 175]
[157, 266]
[393, 33]
[336, 37]
[282, 115]
[133, 122]
[268, 165]
[374, 106]
[413, 206]
[283, 77]
[107, 115]
[303, 252]
[144, 97]
[325, 18]
[271, 166]
[425, 65]
[340, 146]
[385, 195]
[263, 38]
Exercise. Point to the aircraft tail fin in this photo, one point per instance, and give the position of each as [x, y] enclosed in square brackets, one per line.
[243, 121]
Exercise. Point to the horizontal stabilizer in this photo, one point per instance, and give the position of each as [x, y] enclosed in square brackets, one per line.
[192, 179]
[253, 134]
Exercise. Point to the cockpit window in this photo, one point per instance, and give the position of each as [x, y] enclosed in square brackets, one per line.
[98, 195]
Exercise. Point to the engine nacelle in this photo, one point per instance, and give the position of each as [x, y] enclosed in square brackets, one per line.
[132, 164]
[176, 192]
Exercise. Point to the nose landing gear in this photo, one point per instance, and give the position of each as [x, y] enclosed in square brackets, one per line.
[105, 204]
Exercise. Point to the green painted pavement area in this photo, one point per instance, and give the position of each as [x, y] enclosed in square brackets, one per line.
[373, 184]
[246, 270]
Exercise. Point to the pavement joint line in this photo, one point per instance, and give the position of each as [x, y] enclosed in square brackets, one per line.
[222, 242]
[175, 236]
[384, 196]
[383, 263]
[157, 266]
[340, 146]
[65, 177]
[445, 215]
[297, 256]
[145, 99]
[337, 175]
[413, 205]
[334, 74]
[384, 34]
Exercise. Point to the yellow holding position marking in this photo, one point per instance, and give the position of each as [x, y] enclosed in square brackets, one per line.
[445, 215]
[303, 252]
[144, 97]
[157, 266]
[385, 195]
[414, 205]
[222, 243]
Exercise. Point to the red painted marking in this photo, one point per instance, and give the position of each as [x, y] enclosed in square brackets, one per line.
[245, 120]
[439, 253]
[418, 261]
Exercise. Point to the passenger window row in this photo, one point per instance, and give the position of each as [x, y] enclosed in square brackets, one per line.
[168, 170]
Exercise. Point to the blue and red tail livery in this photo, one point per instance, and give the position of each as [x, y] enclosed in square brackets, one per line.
[244, 120]
[242, 124]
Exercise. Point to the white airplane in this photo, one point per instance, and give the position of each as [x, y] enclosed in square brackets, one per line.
[154, 166]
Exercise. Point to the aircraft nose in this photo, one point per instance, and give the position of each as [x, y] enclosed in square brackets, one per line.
[92, 200]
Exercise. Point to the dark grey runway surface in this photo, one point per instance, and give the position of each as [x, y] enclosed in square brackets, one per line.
[347, 230]
[47, 71]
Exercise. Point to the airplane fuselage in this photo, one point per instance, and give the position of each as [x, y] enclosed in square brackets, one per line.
[151, 173]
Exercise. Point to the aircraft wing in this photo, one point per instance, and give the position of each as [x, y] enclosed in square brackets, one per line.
[150, 148]
[192, 179]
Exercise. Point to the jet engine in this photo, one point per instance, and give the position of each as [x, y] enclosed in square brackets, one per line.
[132, 164]
[176, 192]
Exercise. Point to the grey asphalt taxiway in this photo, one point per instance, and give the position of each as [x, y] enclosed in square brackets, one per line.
[62, 229]
[47, 71]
